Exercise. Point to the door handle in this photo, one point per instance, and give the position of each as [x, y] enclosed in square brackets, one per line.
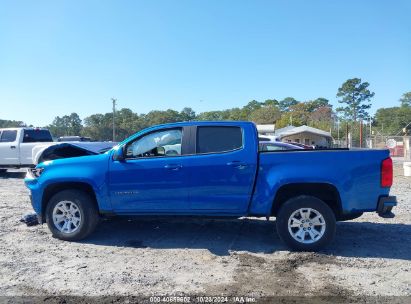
[12, 147]
[173, 167]
[237, 164]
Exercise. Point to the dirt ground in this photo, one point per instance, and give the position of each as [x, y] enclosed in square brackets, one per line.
[370, 256]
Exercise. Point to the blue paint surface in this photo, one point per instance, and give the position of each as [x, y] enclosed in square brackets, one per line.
[240, 182]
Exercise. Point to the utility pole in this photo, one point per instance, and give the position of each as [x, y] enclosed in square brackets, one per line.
[371, 145]
[370, 128]
[114, 114]
[360, 133]
[338, 131]
[347, 137]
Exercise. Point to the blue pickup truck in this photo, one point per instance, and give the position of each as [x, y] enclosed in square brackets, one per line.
[213, 169]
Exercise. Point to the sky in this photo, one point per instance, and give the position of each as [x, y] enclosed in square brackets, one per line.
[59, 57]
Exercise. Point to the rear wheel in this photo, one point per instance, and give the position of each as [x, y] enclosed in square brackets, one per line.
[71, 215]
[305, 223]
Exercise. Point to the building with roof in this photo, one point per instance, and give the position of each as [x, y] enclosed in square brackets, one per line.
[267, 129]
[278, 132]
[305, 135]
[266, 132]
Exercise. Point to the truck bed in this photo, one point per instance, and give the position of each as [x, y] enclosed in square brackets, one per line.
[355, 174]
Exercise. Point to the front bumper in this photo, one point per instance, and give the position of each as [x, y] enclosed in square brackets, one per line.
[40, 219]
[385, 205]
[36, 192]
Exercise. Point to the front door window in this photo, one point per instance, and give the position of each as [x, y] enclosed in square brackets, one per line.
[156, 144]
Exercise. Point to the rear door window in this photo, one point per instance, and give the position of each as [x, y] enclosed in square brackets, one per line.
[37, 136]
[218, 139]
[8, 136]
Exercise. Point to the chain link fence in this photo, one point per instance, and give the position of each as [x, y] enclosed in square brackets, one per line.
[396, 144]
[351, 135]
[355, 135]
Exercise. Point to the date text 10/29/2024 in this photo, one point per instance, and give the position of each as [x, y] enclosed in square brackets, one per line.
[202, 299]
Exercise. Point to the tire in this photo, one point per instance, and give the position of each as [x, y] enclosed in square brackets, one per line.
[81, 216]
[309, 231]
[3, 170]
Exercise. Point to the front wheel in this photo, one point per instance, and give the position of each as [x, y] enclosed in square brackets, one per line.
[71, 215]
[305, 223]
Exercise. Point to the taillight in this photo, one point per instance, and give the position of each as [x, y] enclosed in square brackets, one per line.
[386, 172]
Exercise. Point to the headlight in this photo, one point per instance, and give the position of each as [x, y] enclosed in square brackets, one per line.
[36, 172]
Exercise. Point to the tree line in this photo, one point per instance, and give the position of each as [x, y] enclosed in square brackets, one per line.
[316, 112]
[354, 97]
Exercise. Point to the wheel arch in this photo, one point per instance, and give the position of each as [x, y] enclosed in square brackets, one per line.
[323, 191]
[52, 189]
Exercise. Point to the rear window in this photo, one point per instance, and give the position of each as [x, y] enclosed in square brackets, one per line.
[8, 136]
[218, 139]
[37, 136]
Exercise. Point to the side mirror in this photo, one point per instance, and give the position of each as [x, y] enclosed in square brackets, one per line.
[119, 154]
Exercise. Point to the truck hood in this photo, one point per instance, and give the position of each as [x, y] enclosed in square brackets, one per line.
[85, 160]
[55, 151]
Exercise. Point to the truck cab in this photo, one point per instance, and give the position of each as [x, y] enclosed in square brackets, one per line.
[16, 146]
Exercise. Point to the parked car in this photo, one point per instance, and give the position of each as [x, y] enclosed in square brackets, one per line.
[216, 170]
[267, 138]
[26, 147]
[73, 138]
[277, 146]
[302, 145]
[16, 146]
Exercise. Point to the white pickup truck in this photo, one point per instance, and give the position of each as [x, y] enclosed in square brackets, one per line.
[26, 147]
[16, 145]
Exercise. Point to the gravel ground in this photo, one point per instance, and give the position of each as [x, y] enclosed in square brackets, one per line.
[370, 256]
